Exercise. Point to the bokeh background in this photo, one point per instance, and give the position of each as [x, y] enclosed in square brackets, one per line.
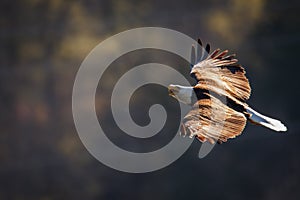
[42, 44]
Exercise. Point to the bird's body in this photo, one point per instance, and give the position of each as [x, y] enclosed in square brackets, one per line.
[218, 100]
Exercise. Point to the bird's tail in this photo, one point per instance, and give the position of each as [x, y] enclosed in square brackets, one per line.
[265, 121]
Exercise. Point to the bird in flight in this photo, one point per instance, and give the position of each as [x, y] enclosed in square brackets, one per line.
[218, 99]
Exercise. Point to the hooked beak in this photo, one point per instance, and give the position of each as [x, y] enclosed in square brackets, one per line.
[171, 90]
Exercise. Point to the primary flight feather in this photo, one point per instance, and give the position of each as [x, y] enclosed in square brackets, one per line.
[218, 98]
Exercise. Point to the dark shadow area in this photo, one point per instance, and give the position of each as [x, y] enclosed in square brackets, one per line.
[42, 46]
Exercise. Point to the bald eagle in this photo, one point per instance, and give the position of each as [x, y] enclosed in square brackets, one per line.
[218, 99]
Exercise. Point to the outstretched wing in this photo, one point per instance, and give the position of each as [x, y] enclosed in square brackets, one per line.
[222, 74]
[211, 120]
[198, 54]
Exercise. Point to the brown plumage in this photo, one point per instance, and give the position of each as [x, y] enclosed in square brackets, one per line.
[219, 110]
[222, 74]
[212, 120]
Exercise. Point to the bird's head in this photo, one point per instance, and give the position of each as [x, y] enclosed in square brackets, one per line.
[181, 93]
[173, 90]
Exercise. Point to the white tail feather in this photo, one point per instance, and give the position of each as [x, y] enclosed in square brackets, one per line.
[268, 122]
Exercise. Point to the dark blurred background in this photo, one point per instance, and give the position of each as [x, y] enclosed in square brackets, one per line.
[42, 46]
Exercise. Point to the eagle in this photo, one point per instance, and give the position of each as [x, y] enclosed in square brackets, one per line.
[218, 99]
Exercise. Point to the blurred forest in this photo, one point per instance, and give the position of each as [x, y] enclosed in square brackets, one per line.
[42, 46]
